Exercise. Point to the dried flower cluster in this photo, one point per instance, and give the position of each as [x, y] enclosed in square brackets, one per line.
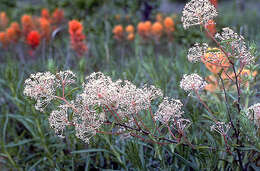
[253, 113]
[236, 42]
[41, 87]
[100, 97]
[169, 110]
[198, 12]
[192, 82]
[221, 127]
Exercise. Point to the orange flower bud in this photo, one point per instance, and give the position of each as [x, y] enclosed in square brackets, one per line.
[57, 16]
[45, 28]
[168, 24]
[157, 29]
[3, 20]
[130, 29]
[77, 38]
[27, 24]
[131, 36]
[13, 32]
[118, 32]
[144, 29]
[3, 39]
[45, 13]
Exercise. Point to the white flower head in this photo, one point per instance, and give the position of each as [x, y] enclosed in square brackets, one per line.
[197, 12]
[58, 120]
[99, 89]
[41, 87]
[197, 52]
[192, 82]
[65, 77]
[237, 44]
[168, 110]
[87, 122]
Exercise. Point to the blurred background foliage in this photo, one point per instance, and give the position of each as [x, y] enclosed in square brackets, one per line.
[27, 142]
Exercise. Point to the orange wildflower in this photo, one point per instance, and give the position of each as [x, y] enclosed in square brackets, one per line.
[45, 14]
[13, 32]
[157, 29]
[214, 2]
[75, 26]
[211, 27]
[27, 24]
[77, 38]
[45, 28]
[57, 16]
[212, 83]
[130, 29]
[118, 32]
[215, 61]
[144, 29]
[168, 25]
[33, 39]
[3, 39]
[3, 20]
[131, 36]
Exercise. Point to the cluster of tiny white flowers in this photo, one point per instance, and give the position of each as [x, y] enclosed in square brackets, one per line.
[58, 120]
[197, 52]
[100, 95]
[238, 45]
[122, 96]
[197, 12]
[221, 127]
[41, 87]
[253, 113]
[87, 122]
[99, 89]
[192, 82]
[66, 77]
[169, 110]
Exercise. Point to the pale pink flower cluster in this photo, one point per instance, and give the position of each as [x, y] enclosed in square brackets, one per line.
[192, 82]
[122, 96]
[197, 12]
[197, 52]
[41, 87]
[253, 113]
[237, 44]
